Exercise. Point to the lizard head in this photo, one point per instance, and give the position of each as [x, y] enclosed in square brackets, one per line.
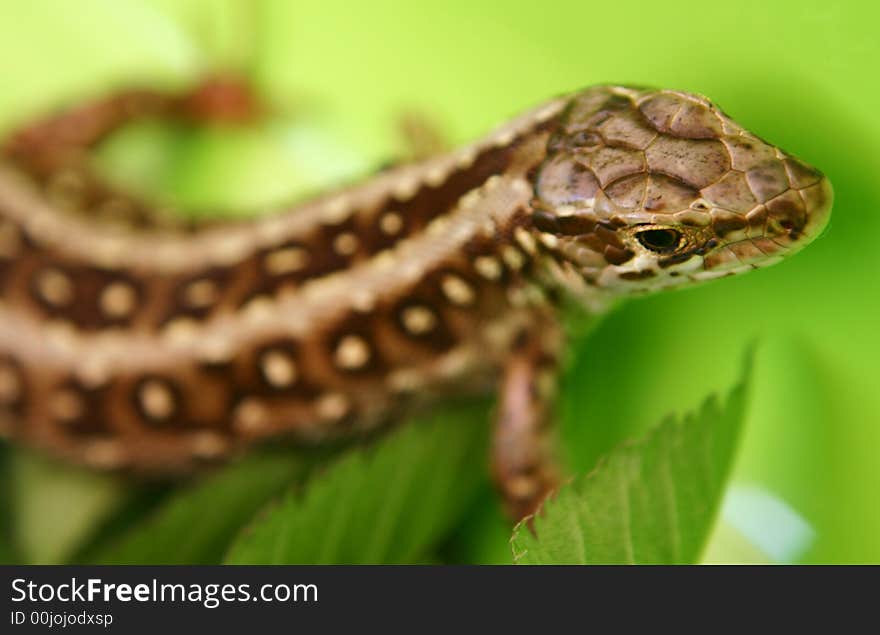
[649, 189]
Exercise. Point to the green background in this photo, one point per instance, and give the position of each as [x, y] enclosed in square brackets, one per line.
[800, 74]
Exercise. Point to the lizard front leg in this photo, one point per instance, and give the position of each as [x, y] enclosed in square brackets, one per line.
[523, 455]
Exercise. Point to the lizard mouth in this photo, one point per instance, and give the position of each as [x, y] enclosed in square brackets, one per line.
[782, 237]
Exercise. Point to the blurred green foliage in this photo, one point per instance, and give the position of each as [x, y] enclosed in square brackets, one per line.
[795, 72]
[389, 504]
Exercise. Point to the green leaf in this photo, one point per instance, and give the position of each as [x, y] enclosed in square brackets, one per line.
[56, 505]
[651, 501]
[8, 551]
[384, 504]
[196, 524]
[139, 502]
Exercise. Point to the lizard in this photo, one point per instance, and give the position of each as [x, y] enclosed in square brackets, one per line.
[129, 341]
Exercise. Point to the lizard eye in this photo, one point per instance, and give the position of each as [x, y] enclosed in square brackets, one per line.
[659, 240]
